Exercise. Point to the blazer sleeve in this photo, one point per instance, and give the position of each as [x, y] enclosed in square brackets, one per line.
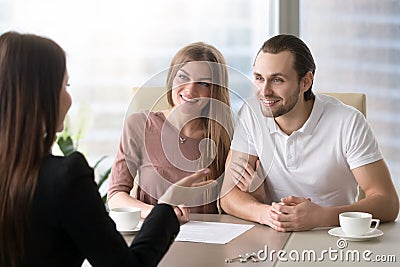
[158, 232]
[86, 222]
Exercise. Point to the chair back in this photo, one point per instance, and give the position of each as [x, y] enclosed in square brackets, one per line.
[155, 99]
[359, 101]
[149, 98]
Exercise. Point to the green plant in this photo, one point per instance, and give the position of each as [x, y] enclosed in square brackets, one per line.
[68, 143]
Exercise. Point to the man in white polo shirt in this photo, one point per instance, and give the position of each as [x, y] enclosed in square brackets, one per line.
[310, 151]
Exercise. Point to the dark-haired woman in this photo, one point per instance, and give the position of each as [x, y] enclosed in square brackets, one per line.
[51, 213]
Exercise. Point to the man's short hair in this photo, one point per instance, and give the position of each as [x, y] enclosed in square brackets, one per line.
[303, 59]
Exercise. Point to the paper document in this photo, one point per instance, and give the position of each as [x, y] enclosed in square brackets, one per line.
[211, 232]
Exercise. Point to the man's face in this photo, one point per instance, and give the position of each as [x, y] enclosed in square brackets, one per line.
[277, 86]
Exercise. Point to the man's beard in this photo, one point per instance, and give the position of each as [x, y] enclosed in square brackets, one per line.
[281, 110]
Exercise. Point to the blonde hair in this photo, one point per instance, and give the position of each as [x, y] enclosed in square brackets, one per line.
[218, 110]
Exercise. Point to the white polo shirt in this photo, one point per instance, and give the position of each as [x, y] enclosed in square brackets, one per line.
[314, 161]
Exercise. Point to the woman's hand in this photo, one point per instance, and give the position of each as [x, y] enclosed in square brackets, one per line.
[182, 213]
[182, 192]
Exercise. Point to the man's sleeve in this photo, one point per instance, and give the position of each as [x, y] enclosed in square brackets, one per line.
[361, 144]
[243, 139]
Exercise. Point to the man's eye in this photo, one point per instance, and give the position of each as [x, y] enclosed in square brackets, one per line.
[277, 80]
[259, 78]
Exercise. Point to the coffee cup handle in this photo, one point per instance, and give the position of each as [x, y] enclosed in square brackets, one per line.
[377, 221]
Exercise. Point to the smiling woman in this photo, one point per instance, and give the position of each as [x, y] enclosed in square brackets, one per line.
[191, 88]
[165, 146]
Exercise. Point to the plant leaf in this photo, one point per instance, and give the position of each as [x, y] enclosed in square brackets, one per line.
[104, 198]
[104, 177]
[99, 161]
[66, 145]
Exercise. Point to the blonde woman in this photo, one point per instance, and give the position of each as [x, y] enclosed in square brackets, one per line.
[195, 132]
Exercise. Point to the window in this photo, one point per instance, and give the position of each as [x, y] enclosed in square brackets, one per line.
[113, 46]
[356, 46]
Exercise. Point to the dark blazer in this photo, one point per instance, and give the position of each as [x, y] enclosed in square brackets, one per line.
[69, 223]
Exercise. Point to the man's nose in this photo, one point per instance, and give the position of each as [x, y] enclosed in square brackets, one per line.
[265, 88]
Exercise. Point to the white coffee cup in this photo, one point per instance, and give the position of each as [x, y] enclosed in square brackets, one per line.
[357, 223]
[126, 218]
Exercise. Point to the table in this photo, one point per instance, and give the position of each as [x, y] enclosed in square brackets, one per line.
[318, 240]
[261, 236]
[187, 254]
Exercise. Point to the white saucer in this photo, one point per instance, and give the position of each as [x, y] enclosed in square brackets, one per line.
[130, 231]
[339, 233]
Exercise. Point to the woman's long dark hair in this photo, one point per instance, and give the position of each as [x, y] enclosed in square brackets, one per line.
[32, 70]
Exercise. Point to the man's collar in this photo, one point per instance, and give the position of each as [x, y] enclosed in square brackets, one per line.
[308, 126]
[312, 121]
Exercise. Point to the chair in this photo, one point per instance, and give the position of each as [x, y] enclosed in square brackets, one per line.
[151, 98]
[359, 101]
[154, 99]
[147, 98]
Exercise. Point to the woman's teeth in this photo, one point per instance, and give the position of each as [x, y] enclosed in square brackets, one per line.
[190, 100]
